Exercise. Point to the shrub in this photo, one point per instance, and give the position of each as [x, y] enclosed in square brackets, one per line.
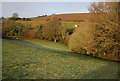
[39, 31]
[30, 31]
[53, 30]
[12, 29]
[70, 31]
[82, 41]
[103, 39]
[107, 34]
[28, 19]
[15, 18]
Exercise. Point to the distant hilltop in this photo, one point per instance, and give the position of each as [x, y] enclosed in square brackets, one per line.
[76, 17]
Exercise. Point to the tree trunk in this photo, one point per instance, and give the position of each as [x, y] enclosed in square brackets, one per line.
[55, 40]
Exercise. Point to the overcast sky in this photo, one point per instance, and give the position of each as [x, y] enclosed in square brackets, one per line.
[33, 9]
[60, 0]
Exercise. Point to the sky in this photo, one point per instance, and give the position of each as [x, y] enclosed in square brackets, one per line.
[59, 0]
[34, 9]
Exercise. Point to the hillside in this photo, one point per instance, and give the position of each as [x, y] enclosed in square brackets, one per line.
[67, 17]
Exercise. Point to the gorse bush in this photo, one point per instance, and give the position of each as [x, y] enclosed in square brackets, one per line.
[11, 28]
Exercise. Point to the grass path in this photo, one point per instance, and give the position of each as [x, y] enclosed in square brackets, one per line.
[34, 59]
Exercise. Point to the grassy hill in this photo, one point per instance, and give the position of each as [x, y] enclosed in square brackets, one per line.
[67, 17]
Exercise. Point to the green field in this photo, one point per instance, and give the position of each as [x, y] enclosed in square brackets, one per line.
[37, 23]
[35, 59]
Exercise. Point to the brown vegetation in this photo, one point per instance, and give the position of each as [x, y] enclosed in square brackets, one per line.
[102, 37]
[107, 34]
[82, 40]
[11, 28]
[78, 17]
[53, 29]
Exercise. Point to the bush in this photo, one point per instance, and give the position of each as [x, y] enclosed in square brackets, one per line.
[70, 31]
[102, 37]
[15, 18]
[12, 29]
[28, 19]
[82, 40]
[30, 31]
[53, 30]
[39, 32]
[107, 34]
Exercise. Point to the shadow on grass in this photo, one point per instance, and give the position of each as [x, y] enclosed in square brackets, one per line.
[103, 70]
[108, 71]
[62, 53]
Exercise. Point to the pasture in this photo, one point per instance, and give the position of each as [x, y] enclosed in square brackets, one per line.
[66, 24]
[68, 20]
[36, 59]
